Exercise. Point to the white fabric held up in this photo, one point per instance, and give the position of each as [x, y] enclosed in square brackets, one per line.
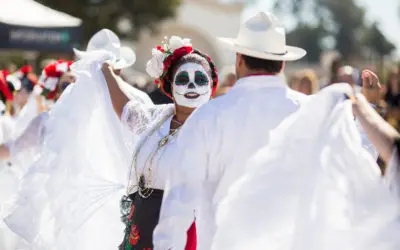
[313, 187]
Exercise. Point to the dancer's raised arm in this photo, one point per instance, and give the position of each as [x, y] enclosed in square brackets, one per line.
[379, 132]
[118, 98]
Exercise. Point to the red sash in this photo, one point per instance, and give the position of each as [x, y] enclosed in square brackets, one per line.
[191, 237]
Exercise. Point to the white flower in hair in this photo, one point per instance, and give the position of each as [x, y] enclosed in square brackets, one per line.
[176, 42]
[155, 66]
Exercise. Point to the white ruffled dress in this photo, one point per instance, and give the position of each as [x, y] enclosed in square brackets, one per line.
[69, 199]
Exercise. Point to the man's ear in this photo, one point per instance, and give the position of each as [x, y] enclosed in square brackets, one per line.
[283, 67]
[239, 60]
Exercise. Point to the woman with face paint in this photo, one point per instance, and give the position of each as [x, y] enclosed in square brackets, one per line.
[189, 78]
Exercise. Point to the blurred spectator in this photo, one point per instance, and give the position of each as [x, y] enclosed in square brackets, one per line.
[348, 74]
[393, 88]
[12, 68]
[336, 64]
[393, 98]
[227, 79]
[308, 83]
[375, 96]
[294, 81]
[28, 81]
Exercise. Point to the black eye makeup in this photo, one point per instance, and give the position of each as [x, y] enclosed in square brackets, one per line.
[200, 78]
[182, 78]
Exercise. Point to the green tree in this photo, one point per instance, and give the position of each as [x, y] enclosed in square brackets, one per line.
[97, 14]
[348, 21]
[309, 38]
[343, 21]
[376, 42]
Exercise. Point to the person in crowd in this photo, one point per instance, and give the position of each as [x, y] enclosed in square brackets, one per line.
[382, 135]
[393, 88]
[99, 41]
[185, 75]
[336, 63]
[228, 130]
[313, 198]
[308, 83]
[189, 78]
[221, 135]
[392, 97]
[375, 94]
[349, 75]
[228, 77]
[8, 174]
[55, 78]
[25, 100]
[294, 81]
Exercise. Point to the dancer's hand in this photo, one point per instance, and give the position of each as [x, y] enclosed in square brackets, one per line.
[370, 79]
[106, 67]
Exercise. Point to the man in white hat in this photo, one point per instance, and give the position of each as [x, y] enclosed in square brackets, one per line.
[218, 139]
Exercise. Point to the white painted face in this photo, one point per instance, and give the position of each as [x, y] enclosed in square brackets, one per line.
[191, 85]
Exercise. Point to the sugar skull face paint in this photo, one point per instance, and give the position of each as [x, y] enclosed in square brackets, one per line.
[191, 85]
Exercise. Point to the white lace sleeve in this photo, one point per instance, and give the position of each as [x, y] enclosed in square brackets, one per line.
[137, 116]
[30, 137]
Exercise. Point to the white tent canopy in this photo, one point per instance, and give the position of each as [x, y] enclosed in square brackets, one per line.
[33, 14]
[29, 25]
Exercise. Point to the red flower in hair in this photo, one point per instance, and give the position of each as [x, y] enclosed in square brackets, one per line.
[50, 76]
[178, 53]
[4, 88]
[26, 69]
[160, 49]
[5, 73]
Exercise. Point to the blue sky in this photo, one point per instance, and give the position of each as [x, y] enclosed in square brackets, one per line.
[383, 11]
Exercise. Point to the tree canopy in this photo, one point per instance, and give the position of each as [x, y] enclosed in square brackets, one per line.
[343, 22]
[97, 14]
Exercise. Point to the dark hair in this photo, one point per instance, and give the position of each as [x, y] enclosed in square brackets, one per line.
[27, 84]
[3, 98]
[269, 66]
[195, 57]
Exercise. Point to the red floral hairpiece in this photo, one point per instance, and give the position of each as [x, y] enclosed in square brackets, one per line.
[51, 75]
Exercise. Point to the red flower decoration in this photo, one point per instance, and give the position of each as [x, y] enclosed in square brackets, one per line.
[26, 69]
[5, 73]
[178, 53]
[4, 88]
[134, 236]
[156, 81]
[167, 62]
[160, 49]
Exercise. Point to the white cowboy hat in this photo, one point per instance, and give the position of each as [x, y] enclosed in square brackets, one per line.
[263, 36]
[107, 40]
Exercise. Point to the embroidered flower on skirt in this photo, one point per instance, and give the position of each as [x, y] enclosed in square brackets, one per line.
[134, 236]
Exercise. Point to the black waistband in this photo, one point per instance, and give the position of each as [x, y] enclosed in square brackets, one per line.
[155, 193]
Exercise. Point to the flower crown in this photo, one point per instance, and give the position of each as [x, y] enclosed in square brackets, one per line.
[50, 77]
[165, 55]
